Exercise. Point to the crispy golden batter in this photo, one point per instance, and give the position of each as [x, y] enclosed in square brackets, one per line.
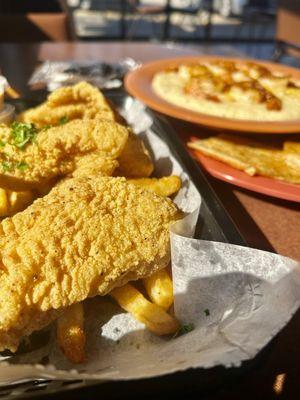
[86, 237]
[83, 101]
[94, 164]
[292, 147]
[252, 157]
[134, 161]
[72, 102]
[60, 150]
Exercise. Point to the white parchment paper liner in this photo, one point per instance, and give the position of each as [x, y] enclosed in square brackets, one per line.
[236, 298]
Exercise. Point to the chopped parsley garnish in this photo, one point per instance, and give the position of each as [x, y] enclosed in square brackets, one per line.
[63, 120]
[2, 144]
[184, 329]
[207, 312]
[22, 133]
[9, 166]
[6, 166]
[22, 165]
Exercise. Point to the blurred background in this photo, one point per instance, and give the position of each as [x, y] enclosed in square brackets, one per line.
[267, 29]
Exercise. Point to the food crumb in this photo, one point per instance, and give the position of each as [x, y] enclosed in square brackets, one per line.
[184, 329]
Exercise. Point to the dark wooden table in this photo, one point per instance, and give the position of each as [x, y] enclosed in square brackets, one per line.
[265, 222]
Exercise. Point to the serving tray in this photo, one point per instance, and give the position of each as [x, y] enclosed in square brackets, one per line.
[213, 224]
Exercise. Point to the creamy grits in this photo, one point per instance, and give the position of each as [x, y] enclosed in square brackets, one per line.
[171, 86]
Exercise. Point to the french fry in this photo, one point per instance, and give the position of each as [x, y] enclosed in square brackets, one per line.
[12, 93]
[18, 201]
[156, 319]
[3, 203]
[70, 333]
[164, 187]
[159, 288]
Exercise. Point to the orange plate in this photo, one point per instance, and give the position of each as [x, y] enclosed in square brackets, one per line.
[138, 84]
[260, 184]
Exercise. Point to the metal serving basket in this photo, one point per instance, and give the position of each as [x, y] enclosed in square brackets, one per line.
[213, 224]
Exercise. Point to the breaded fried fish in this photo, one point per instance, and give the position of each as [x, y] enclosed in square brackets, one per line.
[59, 151]
[67, 103]
[84, 101]
[85, 238]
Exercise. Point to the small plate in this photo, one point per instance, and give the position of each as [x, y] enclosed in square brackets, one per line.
[139, 84]
[259, 184]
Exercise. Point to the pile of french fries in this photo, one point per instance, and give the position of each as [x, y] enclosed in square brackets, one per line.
[152, 312]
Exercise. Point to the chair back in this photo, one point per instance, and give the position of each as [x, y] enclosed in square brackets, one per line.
[34, 27]
[288, 23]
[35, 21]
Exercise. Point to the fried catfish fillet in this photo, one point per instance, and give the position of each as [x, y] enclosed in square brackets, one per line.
[59, 151]
[86, 237]
[84, 101]
[67, 103]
